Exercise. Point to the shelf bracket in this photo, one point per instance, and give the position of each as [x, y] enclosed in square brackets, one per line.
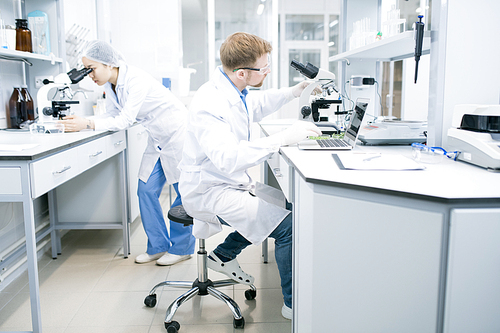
[4, 57]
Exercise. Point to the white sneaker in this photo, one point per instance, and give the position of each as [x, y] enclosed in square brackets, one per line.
[286, 312]
[144, 258]
[231, 268]
[169, 259]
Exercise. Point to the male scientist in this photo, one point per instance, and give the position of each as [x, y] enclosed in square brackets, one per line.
[215, 186]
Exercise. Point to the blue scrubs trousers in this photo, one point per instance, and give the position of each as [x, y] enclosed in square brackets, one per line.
[181, 240]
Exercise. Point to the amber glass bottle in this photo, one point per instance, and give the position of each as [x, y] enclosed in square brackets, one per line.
[30, 107]
[23, 36]
[17, 108]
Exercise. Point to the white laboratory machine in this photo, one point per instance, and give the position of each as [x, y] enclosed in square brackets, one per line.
[393, 132]
[475, 135]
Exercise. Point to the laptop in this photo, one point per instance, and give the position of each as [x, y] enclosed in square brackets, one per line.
[351, 134]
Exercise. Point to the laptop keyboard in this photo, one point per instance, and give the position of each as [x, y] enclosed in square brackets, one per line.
[332, 143]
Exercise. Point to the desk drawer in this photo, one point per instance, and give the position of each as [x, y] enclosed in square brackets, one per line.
[91, 153]
[52, 171]
[115, 143]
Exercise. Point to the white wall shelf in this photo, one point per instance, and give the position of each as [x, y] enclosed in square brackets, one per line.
[19, 55]
[389, 49]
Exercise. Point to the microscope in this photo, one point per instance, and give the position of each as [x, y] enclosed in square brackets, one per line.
[48, 111]
[310, 110]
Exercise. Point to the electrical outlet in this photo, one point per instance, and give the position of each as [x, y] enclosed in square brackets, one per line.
[39, 80]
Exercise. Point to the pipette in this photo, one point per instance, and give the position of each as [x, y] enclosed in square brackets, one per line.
[419, 39]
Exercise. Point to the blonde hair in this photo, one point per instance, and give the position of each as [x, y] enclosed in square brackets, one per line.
[242, 49]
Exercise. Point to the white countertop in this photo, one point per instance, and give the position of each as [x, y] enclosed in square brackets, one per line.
[47, 144]
[447, 179]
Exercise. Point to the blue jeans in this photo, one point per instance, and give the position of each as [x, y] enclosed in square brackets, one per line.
[181, 240]
[235, 243]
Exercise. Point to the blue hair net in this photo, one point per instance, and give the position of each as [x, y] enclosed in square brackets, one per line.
[102, 52]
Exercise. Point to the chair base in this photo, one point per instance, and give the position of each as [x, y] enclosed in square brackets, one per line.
[201, 286]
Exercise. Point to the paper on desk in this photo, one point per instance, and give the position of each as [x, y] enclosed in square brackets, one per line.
[356, 161]
[16, 146]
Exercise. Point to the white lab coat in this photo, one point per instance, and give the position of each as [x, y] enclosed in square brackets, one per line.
[217, 153]
[140, 98]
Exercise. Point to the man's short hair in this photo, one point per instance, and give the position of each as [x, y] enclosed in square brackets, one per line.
[242, 49]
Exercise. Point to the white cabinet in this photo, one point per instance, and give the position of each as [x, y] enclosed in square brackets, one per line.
[94, 196]
[282, 172]
[473, 288]
[363, 264]
[137, 140]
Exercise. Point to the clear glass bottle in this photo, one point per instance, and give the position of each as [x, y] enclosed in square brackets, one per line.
[17, 109]
[3, 36]
[30, 107]
[10, 34]
[23, 36]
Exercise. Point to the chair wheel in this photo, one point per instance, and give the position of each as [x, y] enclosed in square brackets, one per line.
[250, 294]
[150, 301]
[173, 327]
[239, 323]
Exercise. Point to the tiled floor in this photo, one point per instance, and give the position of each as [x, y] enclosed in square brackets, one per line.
[90, 288]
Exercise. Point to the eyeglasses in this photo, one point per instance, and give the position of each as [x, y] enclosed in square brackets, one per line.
[263, 71]
[426, 154]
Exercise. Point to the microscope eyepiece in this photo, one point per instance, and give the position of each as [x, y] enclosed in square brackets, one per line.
[77, 75]
[308, 70]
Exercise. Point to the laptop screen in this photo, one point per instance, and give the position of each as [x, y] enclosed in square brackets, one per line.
[352, 131]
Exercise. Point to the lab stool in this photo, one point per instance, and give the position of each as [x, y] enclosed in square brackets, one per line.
[201, 286]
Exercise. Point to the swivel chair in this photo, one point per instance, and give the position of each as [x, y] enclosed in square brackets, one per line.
[201, 286]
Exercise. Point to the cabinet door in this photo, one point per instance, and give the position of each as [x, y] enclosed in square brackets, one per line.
[472, 287]
[281, 171]
[137, 139]
[362, 263]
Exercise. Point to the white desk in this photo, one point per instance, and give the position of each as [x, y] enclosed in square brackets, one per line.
[391, 251]
[57, 158]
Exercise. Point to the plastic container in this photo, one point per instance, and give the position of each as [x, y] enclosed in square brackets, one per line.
[23, 36]
[38, 23]
[17, 109]
[100, 107]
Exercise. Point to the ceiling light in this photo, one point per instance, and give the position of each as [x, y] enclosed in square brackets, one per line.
[260, 9]
[334, 23]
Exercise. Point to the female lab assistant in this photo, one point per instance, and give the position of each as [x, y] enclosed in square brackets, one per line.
[134, 96]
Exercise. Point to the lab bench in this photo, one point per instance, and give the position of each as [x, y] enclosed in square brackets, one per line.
[390, 251]
[54, 161]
